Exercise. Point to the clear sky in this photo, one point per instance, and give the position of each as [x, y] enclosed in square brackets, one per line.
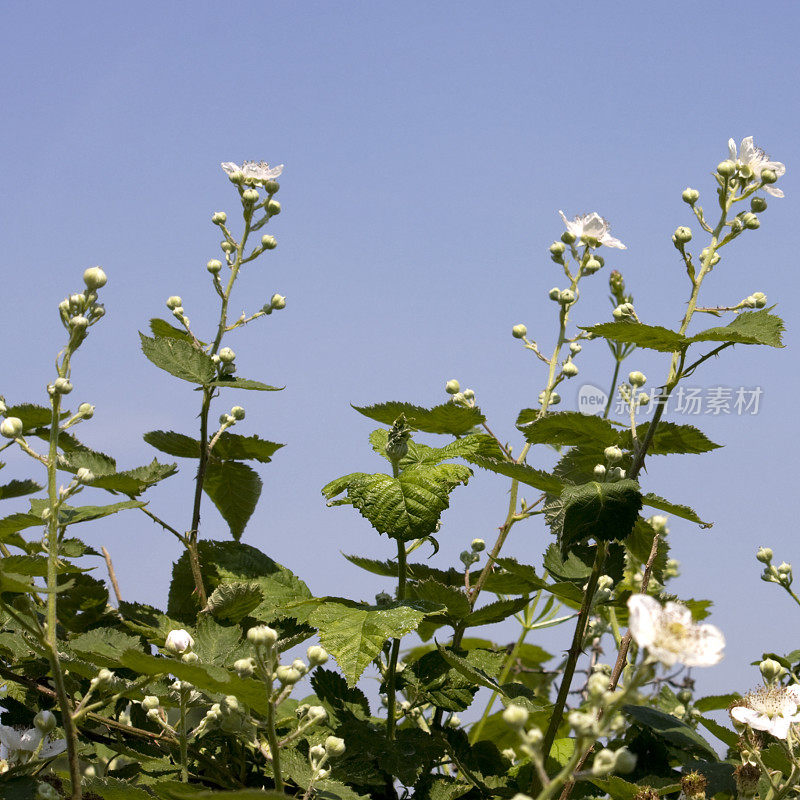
[428, 147]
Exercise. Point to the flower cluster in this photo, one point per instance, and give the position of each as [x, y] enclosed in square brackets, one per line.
[755, 160]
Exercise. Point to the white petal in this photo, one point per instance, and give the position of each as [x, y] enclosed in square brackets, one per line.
[793, 692]
[30, 739]
[644, 613]
[774, 192]
[745, 715]
[609, 241]
[779, 727]
[666, 657]
[230, 167]
[54, 748]
[9, 738]
[572, 227]
[678, 612]
[732, 149]
[747, 151]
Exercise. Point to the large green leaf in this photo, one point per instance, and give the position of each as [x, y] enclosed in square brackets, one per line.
[219, 644]
[234, 488]
[162, 329]
[446, 418]
[233, 382]
[18, 489]
[749, 327]
[432, 679]
[600, 511]
[354, 632]
[670, 438]
[32, 416]
[495, 612]
[455, 602]
[530, 476]
[234, 601]
[234, 447]
[17, 522]
[76, 456]
[675, 731]
[407, 507]
[566, 428]
[137, 480]
[103, 646]
[69, 515]
[651, 337]
[677, 510]
[173, 444]
[474, 444]
[180, 358]
[115, 789]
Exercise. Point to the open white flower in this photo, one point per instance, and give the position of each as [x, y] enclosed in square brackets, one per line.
[255, 172]
[592, 225]
[19, 745]
[757, 160]
[671, 636]
[772, 709]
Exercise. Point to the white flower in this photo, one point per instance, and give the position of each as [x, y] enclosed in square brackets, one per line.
[756, 159]
[592, 225]
[670, 635]
[178, 641]
[21, 744]
[255, 172]
[772, 709]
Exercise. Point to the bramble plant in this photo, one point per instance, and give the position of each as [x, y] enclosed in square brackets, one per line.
[130, 701]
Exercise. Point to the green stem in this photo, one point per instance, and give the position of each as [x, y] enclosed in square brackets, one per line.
[391, 678]
[274, 749]
[183, 738]
[612, 388]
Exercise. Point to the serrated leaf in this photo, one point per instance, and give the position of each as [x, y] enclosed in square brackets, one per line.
[234, 488]
[137, 480]
[651, 337]
[470, 671]
[715, 702]
[749, 327]
[677, 510]
[407, 507]
[495, 612]
[234, 601]
[173, 444]
[17, 522]
[670, 438]
[83, 604]
[218, 644]
[672, 729]
[17, 488]
[69, 515]
[566, 428]
[455, 602]
[244, 383]
[332, 688]
[115, 789]
[180, 358]
[232, 446]
[76, 456]
[640, 543]
[616, 788]
[103, 646]
[32, 416]
[354, 632]
[602, 511]
[163, 330]
[530, 476]
[446, 418]
[434, 680]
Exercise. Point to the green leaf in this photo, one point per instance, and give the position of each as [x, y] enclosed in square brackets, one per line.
[32, 416]
[161, 329]
[180, 358]
[76, 456]
[354, 632]
[332, 689]
[651, 337]
[434, 680]
[17, 522]
[677, 510]
[445, 418]
[728, 737]
[616, 788]
[234, 601]
[749, 327]
[83, 604]
[234, 488]
[103, 646]
[69, 515]
[218, 644]
[407, 507]
[137, 480]
[470, 671]
[115, 789]
[672, 729]
[640, 543]
[244, 383]
[456, 605]
[670, 438]
[495, 612]
[715, 702]
[234, 447]
[566, 428]
[480, 444]
[542, 481]
[602, 511]
[18, 489]
[173, 444]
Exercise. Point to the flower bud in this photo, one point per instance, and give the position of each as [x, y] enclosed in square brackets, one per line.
[519, 331]
[227, 247]
[45, 722]
[597, 684]
[316, 715]
[62, 386]
[316, 655]
[316, 752]
[478, 545]
[278, 302]
[226, 355]
[288, 675]
[575, 348]
[11, 428]
[46, 791]
[554, 293]
[174, 302]
[568, 238]
[764, 554]
[190, 658]
[219, 218]
[682, 235]
[334, 746]
[726, 168]
[177, 311]
[262, 635]
[768, 176]
[555, 398]
[105, 677]
[771, 670]
[469, 394]
[566, 297]
[592, 265]
[690, 196]
[616, 474]
[178, 641]
[244, 667]
[747, 775]
[269, 242]
[637, 379]
[94, 278]
[273, 208]
[84, 475]
[599, 472]
[583, 723]
[569, 369]
[557, 249]
[613, 454]
[79, 322]
[758, 204]
[626, 761]
[714, 258]
[604, 762]
[271, 186]
[86, 410]
[300, 666]
[250, 197]
[452, 386]
[515, 716]
[237, 412]
[750, 220]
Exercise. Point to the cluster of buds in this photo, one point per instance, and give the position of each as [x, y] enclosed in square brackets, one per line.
[228, 716]
[276, 303]
[79, 311]
[609, 472]
[465, 398]
[471, 556]
[225, 362]
[397, 441]
[624, 311]
[772, 671]
[564, 297]
[782, 574]
[554, 398]
[755, 300]
[530, 740]
[320, 754]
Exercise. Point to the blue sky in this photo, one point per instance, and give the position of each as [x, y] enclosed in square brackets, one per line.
[428, 148]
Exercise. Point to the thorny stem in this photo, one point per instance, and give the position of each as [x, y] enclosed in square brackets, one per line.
[182, 734]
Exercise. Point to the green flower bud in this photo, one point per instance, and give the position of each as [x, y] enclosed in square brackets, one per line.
[245, 667]
[174, 302]
[519, 331]
[557, 249]
[79, 322]
[316, 715]
[316, 655]
[760, 299]
[94, 278]
[569, 369]
[658, 522]
[616, 474]
[452, 386]
[300, 666]
[105, 677]
[613, 454]
[515, 716]
[750, 221]
[568, 238]
[62, 386]
[237, 412]
[226, 355]
[690, 196]
[478, 545]
[150, 702]
[726, 168]
[250, 197]
[45, 722]
[626, 761]
[771, 670]
[214, 266]
[758, 204]
[714, 259]
[84, 475]
[227, 247]
[278, 302]
[269, 242]
[575, 348]
[469, 394]
[226, 419]
[262, 635]
[86, 410]
[566, 297]
[554, 293]
[11, 428]
[599, 472]
[682, 235]
[592, 265]
[219, 218]
[768, 176]
[273, 208]
[190, 658]
[555, 398]
[271, 186]
[334, 746]
[764, 554]
[46, 791]
[177, 311]
[583, 723]
[178, 641]
[637, 379]
[287, 675]
[454, 721]
[604, 762]
[316, 752]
